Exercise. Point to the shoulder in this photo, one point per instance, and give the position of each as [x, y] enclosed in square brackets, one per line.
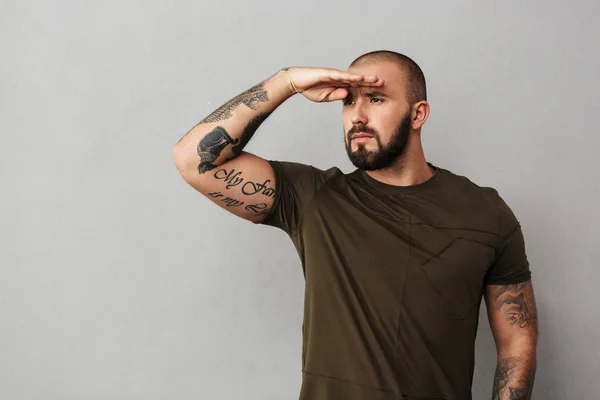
[487, 198]
[470, 188]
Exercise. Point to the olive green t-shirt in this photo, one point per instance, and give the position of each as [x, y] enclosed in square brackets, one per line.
[394, 277]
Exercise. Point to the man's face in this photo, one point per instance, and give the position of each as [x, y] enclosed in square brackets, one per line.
[382, 114]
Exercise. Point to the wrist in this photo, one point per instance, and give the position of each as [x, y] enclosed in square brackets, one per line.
[283, 78]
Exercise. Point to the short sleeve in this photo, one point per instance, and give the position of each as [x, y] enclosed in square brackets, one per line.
[295, 187]
[510, 264]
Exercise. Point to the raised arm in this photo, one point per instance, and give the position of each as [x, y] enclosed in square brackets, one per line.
[513, 319]
[210, 158]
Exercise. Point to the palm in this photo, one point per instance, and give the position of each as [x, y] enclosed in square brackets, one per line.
[328, 84]
[325, 94]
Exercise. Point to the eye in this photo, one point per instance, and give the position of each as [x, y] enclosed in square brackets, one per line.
[378, 99]
[347, 102]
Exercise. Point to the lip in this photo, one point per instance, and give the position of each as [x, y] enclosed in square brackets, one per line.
[361, 136]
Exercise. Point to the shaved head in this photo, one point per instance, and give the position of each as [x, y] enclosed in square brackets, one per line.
[415, 79]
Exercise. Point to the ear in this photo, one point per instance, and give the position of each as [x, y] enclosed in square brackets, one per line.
[420, 113]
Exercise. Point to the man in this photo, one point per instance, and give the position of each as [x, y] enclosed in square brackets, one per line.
[396, 255]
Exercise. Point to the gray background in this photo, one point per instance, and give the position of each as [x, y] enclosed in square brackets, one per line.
[119, 281]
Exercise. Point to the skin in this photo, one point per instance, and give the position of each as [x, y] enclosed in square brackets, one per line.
[512, 315]
[383, 114]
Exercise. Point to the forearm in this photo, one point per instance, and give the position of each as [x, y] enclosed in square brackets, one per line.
[224, 133]
[515, 373]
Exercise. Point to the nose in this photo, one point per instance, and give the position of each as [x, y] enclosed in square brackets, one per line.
[359, 116]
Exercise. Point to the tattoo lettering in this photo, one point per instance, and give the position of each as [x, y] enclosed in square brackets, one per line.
[250, 98]
[258, 209]
[233, 178]
[229, 202]
[232, 202]
[251, 188]
[211, 146]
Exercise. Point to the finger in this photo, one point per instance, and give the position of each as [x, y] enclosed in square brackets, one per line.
[371, 78]
[345, 76]
[377, 83]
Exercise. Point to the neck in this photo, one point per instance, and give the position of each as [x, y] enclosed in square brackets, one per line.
[409, 169]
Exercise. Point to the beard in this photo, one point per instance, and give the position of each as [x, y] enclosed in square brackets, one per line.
[384, 156]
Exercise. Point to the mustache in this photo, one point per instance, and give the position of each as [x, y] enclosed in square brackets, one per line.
[361, 129]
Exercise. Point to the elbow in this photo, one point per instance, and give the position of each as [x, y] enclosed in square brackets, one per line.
[181, 160]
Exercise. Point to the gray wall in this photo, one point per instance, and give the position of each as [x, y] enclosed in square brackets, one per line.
[119, 281]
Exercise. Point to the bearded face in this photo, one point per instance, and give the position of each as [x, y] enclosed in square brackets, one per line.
[385, 154]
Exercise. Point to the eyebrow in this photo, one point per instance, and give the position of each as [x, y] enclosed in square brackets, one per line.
[372, 93]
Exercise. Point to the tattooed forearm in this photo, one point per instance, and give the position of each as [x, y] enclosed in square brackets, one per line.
[501, 377]
[513, 379]
[250, 98]
[248, 132]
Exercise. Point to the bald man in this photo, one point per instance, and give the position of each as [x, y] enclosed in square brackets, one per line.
[396, 254]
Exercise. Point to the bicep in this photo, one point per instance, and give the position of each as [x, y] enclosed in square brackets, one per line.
[512, 313]
[244, 185]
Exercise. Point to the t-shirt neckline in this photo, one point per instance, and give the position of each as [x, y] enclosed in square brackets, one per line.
[393, 189]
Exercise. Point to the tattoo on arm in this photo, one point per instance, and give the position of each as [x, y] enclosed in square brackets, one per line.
[248, 132]
[519, 303]
[250, 98]
[211, 145]
[508, 367]
[257, 209]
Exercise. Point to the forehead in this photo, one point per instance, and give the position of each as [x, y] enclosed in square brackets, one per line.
[386, 70]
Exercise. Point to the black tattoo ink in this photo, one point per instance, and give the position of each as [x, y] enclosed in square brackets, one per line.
[508, 295]
[232, 202]
[258, 209]
[248, 132]
[250, 98]
[229, 201]
[506, 288]
[517, 393]
[501, 381]
[211, 146]
[231, 178]
[501, 376]
[258, 188]
[522, 319]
